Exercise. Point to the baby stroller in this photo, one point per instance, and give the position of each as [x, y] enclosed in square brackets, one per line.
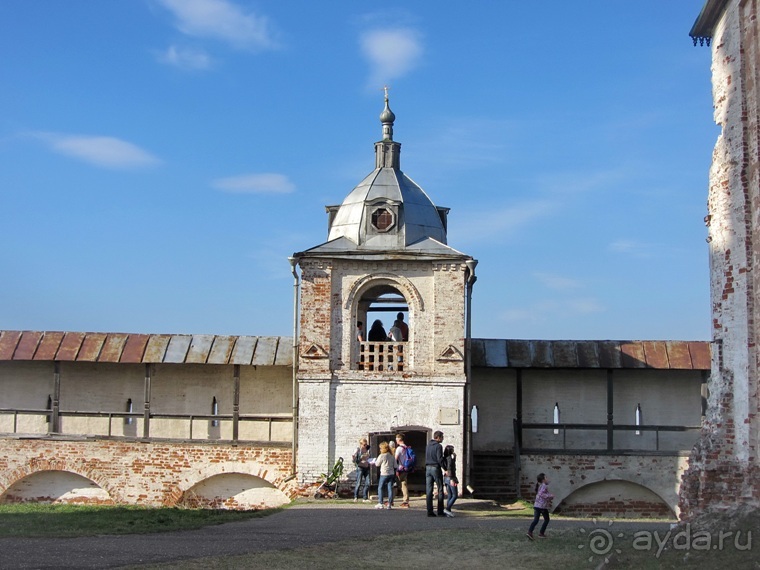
[329, 487]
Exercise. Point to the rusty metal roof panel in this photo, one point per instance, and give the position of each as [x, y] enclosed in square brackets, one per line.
[519, 352]
[134, 349]
[48, 347]
[478, 352]
[91, 347]
[199, 349]
[284, 352]
[8, 343]
[266, 350]
[221, 349]
[678, 355]
[495, 353]
[588, 355]
[610, 355]
[70, 345]
[564, 354]
[156, 348]
[243, 351]
[656, 354]
[27, 346]
[112, 347]
[633, 354]
[700, 355]
[542, 353]
[176, 352]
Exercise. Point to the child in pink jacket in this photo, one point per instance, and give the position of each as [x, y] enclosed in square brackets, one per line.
[541, 505]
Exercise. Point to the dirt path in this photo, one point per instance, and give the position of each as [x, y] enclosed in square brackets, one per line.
[301, 525]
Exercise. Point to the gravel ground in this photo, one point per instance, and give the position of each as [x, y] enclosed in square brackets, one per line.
[304, 524]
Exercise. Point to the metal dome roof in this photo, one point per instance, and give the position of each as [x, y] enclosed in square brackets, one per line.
[387, 210]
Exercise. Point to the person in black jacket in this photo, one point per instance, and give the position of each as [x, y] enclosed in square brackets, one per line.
[377, 332]
[450, 478]
[433, 473]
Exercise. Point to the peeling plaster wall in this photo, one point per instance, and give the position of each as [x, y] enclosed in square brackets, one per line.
[724, 466]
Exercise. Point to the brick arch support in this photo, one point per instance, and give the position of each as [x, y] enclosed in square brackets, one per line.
[623, 479]
[39, 465]
[403, 284]
[275, 477]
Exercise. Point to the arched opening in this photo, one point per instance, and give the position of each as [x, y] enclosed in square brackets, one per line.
[415, 437]
[383, 316]
[238, 491]
[615, 499]
[56, 487]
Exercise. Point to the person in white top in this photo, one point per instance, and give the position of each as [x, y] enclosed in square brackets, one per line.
[386, 466]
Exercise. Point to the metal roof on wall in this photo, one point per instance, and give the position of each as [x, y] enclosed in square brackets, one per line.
[146, 348]
[657, 354]
[277, 351]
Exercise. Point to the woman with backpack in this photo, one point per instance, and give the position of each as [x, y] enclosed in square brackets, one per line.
[403, 469]
[361, 460]
[450, 479]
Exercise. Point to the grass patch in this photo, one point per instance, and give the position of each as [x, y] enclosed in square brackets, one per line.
[568, 549]
[45, 520]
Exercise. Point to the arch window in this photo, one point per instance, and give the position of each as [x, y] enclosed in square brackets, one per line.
[382, 345]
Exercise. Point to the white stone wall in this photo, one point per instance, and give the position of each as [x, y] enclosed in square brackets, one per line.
[336, 414]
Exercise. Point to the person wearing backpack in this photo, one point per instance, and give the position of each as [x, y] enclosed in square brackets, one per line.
[405, 460]
[361, 461]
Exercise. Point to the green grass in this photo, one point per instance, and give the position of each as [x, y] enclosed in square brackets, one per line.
[41, 520]
[469, 549]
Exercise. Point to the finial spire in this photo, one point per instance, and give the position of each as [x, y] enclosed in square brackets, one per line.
[387, 118]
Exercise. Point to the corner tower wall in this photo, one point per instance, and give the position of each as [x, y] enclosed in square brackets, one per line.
[724, 467]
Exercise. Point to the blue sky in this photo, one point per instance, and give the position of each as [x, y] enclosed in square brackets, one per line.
[161, 159]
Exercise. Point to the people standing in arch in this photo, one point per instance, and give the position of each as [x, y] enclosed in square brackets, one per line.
[359, 331]
[377, 332]
[395, 334]
[403, 326]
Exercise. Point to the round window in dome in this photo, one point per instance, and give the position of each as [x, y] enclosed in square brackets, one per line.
[383, 219]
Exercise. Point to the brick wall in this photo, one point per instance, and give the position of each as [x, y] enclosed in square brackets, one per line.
[151, 473]
[724, 466]
[610, 485]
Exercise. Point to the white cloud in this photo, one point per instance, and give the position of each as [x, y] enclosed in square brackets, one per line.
[552, 309]
[221, 20]
[265, 183]
[557, 282]
[497, 223]
[185, 58]
[392, 53]
[633, 248]
[107, 152]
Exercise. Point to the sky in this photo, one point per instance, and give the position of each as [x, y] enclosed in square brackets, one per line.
[161, 159]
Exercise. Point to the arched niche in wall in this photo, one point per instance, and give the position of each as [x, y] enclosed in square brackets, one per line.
[56, 487]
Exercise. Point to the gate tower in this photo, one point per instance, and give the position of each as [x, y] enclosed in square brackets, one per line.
[386, 254]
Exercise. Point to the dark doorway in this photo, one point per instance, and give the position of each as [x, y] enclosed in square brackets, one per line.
[417, 439]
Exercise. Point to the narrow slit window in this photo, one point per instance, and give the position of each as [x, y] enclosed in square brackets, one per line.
[214, 411]
[129, 419]
[638, 418]
[556, 418]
